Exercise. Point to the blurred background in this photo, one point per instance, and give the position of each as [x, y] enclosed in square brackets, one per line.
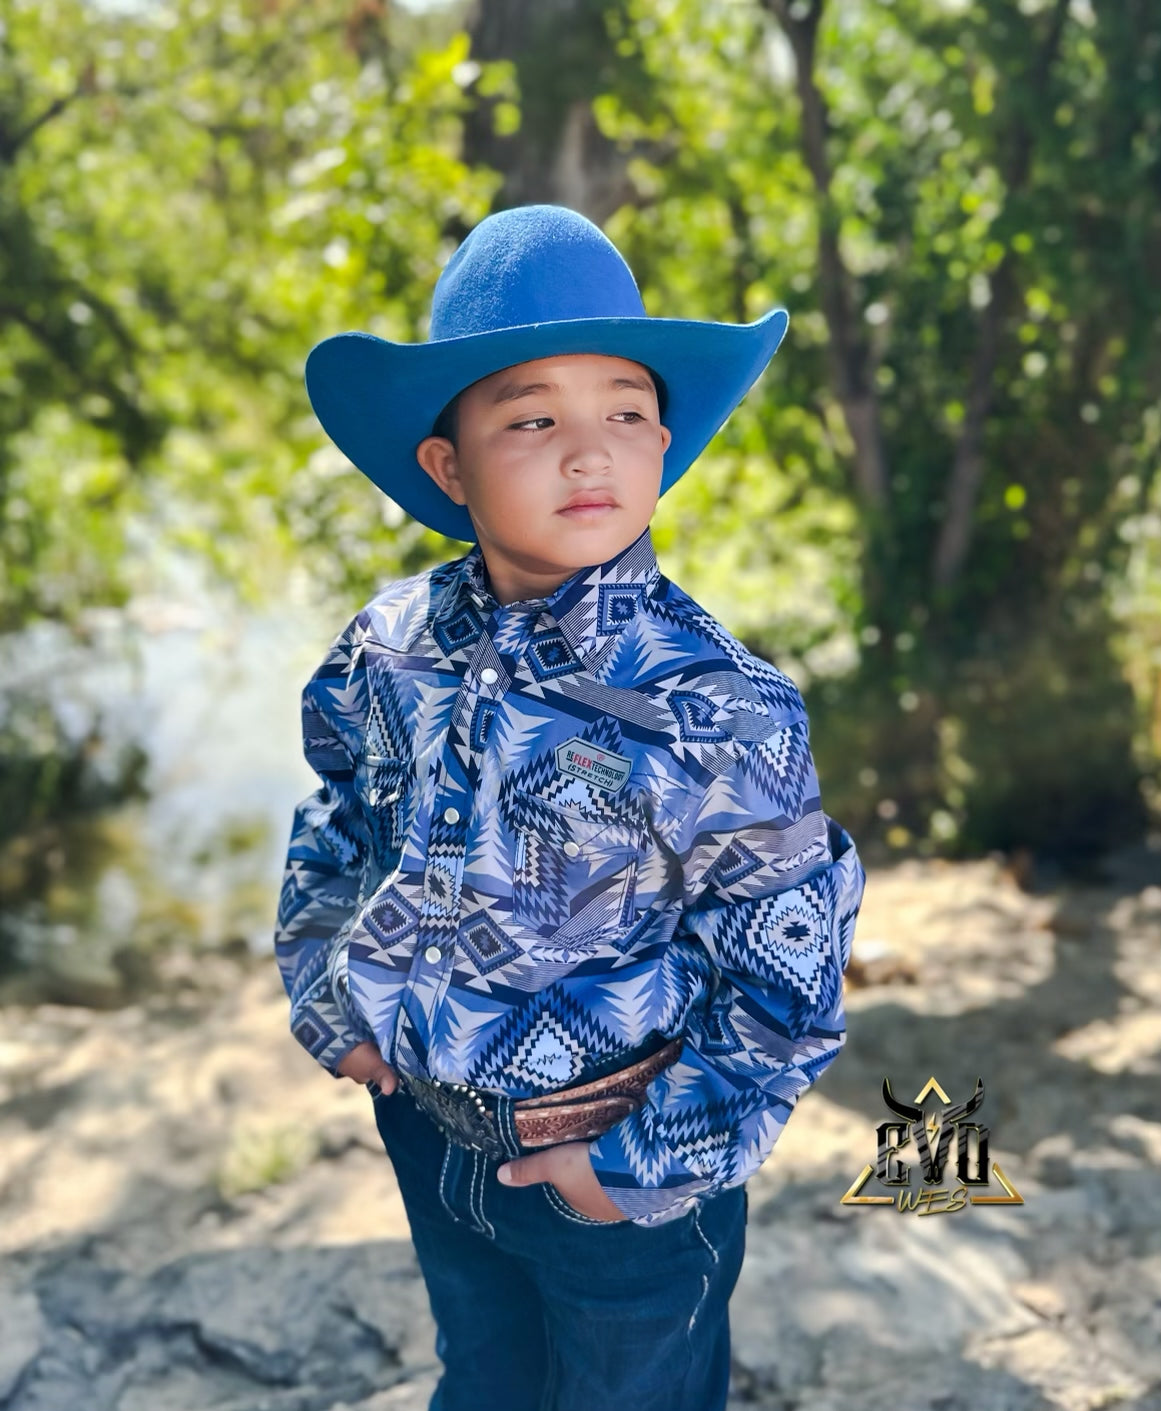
[939, 511]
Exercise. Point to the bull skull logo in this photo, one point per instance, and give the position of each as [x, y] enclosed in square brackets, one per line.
[931, 1133]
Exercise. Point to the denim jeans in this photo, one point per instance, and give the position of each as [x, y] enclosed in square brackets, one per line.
[541, 1308]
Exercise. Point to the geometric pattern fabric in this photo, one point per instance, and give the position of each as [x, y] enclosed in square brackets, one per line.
[546, 830]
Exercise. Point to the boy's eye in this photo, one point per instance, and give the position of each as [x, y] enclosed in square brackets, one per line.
[536, 423]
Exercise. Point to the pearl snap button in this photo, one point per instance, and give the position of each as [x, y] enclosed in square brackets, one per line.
[571, 849]
[451, 815]
[488, 675]
[432, 954]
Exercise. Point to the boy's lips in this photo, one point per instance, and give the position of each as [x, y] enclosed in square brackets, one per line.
[588, 500]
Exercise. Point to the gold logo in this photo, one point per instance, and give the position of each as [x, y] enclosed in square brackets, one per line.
[932, 1133]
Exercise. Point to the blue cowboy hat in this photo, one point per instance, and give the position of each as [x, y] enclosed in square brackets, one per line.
[530, 282]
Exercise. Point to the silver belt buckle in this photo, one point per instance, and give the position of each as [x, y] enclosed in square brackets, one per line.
[459, 1110]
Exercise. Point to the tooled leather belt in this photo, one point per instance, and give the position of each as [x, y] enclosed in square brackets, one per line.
[504, 1127]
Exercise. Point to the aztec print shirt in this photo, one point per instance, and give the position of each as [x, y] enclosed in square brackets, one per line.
[551, 830]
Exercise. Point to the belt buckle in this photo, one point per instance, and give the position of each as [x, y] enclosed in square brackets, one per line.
[461, 1112]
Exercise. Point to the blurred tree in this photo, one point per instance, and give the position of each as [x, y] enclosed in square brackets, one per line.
[928, 508]
[191, 195]
[532, 117]
[970, 198]
[1019, 436]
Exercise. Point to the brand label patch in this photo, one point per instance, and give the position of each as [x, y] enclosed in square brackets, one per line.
[602, 768]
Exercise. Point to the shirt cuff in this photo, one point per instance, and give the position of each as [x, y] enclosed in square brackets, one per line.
[643, 1205]
[321, 1023]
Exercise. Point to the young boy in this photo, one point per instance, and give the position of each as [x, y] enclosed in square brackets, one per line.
[566, 900]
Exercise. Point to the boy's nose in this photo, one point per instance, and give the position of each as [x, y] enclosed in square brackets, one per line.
[588, 457]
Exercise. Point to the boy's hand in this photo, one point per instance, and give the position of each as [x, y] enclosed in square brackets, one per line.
[569, 1169]
[366, 1064]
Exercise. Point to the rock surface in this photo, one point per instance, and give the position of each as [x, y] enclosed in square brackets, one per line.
[196, 1218]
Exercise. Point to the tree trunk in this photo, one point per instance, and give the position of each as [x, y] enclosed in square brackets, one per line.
[563, 58]
[967, 470]
[850, 359]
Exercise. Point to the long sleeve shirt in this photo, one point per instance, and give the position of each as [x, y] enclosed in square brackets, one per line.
[550, 830]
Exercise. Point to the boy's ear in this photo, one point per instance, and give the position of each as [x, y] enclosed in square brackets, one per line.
[437, 456]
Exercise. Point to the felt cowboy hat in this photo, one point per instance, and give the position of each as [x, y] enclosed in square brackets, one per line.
[529, 282]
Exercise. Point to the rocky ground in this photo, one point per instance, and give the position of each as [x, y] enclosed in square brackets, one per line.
[193, 1216]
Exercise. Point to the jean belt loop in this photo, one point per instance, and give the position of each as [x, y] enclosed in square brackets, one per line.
[506, 1122]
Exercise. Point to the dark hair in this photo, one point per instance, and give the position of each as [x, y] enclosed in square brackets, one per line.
[661, 390]
[447, 423]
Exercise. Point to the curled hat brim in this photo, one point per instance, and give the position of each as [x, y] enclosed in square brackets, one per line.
[377, 400]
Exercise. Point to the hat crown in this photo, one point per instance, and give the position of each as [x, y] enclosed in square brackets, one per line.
[532, 264]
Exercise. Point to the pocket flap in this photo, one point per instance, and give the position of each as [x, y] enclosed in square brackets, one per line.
[576, 833]
[382, 778]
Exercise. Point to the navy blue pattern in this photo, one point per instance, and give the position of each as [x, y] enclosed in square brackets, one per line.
[548, 830]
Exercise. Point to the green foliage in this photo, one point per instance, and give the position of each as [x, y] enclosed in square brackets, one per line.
[260, 1156]
[190, 197]
[194, 192]
[995, 183]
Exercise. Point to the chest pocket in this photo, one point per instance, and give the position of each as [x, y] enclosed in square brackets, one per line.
[574, 876]
[383, 784]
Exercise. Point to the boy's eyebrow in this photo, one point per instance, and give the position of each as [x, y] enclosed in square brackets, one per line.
[511, 391]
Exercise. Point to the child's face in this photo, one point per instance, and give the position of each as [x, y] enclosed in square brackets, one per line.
[536, 438]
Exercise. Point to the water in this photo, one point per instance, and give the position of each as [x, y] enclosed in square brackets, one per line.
[211, 691]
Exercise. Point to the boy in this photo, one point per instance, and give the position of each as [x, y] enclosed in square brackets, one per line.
[566, 900]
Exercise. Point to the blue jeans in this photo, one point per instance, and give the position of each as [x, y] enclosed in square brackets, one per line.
[541, 1308]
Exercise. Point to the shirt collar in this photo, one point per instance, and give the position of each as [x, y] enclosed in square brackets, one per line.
[590, 607]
